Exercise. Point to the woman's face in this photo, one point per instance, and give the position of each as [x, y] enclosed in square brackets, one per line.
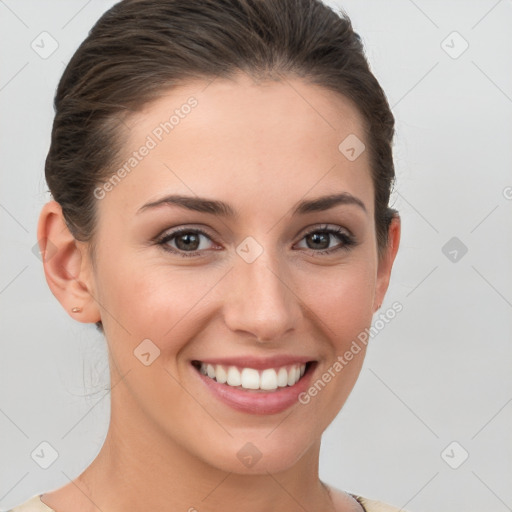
[245, 284]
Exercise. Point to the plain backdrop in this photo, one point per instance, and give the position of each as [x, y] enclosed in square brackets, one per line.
[428, 424]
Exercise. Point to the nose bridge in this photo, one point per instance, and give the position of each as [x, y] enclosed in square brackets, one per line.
[262, 303]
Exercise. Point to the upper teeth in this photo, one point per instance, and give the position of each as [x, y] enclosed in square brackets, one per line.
[249, 378]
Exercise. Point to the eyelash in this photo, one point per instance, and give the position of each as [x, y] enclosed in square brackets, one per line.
[347, 240]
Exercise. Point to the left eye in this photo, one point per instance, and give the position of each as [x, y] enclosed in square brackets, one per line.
[324, 236]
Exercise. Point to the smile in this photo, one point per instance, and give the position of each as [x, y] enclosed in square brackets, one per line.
[269, 379]
[256, 385]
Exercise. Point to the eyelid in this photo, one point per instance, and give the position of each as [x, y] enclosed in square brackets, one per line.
[182, 228]
[321, 227]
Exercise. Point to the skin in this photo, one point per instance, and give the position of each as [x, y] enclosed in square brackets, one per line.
[262, 148]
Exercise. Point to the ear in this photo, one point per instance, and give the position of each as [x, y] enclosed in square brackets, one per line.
[67, 265]
[385, 263]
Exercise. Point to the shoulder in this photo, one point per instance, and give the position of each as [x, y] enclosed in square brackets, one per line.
[375, 506]
[33, 504]
[368, 505]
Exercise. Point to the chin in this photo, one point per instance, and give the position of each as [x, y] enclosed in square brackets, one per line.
[259, 454]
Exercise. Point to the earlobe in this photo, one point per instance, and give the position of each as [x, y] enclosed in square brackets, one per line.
[66, 270]
[385, 263]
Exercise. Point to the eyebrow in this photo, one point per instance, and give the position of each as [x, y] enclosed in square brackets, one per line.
[219, 208]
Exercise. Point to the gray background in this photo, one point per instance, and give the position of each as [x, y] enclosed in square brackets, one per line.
[438, 373]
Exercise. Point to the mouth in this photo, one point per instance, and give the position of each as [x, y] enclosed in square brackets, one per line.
[256, 385]
[252, 380]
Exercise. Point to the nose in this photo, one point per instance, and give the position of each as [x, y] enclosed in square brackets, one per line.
[262, 302]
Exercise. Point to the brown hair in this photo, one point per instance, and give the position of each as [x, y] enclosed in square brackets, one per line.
[140, 49]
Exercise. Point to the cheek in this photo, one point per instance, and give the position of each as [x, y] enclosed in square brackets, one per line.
[161, 303]
[342, 302]
[342, 298]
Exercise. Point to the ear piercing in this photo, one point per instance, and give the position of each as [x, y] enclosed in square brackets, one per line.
[76, 309]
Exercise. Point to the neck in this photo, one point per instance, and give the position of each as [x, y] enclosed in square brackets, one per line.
[141, 468]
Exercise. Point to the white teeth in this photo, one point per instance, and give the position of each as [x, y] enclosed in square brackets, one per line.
[282, 377]
[249, 378]
[234, 377]
[292, 376]
[220, 374]
[268, 379]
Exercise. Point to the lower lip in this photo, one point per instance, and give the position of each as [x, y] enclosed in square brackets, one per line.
[258, 402]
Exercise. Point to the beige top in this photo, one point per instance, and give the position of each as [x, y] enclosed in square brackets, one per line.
[35, 504]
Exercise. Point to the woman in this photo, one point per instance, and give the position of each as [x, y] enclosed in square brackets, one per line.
[220, 173]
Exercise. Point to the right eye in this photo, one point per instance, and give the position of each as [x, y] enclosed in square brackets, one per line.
[187, 242]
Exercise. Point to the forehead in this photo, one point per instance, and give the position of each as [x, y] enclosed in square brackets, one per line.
[238, 139]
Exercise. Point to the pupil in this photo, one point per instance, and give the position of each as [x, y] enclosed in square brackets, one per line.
[189, 238]
[318, 238]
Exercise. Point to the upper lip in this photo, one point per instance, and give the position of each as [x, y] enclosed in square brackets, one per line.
[258, 363]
